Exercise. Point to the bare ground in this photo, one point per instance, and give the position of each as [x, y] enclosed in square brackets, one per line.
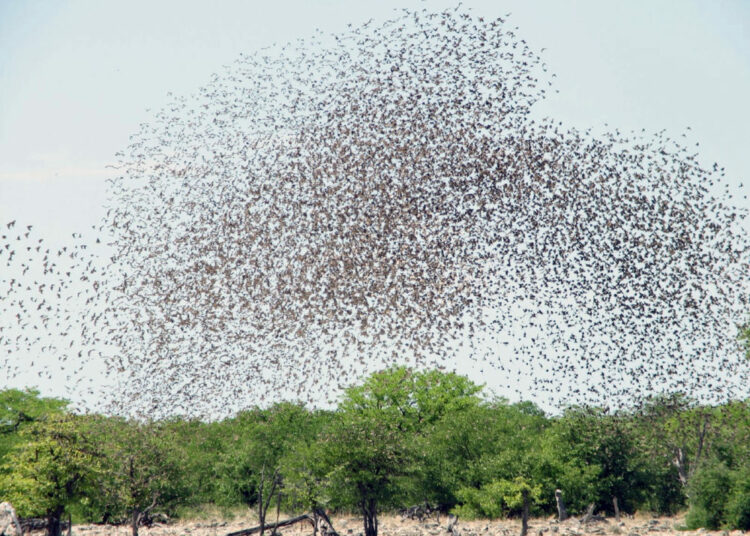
[638, 525]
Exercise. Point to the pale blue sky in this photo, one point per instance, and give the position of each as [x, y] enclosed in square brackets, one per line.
[77, 77]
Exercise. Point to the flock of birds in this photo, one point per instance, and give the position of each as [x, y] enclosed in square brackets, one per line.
[343, 203]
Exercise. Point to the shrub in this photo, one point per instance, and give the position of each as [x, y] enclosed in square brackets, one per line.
[708, 492]
[738, 505]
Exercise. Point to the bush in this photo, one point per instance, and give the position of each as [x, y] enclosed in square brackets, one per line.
[708, 493]
[738, 506]
[719, 498]
[665, 494]
[498, 499]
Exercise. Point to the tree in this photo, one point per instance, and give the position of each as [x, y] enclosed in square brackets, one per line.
[54, 467]
[251, 466]
[367, 454]
[141, 468]
[680, 431]
[414, 399]
[594, 438]
[371, 445]
[476, 445]
[20, 408]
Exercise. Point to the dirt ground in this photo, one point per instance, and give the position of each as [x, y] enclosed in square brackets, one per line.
[638, 525]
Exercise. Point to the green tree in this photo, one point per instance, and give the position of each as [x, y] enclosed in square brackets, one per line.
[416, 399]
[141, 468]
[367, 455]
[251, 466]
[20, 408]
[462, 446]
[201, 448]
[594, 438]
[372, 446]
[52, 469]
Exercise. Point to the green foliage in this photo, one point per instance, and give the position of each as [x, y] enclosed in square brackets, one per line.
[371, 447]
[367, 456]
[56, 465]
[413, 400]
[250, 467]
[400, 438]
[141, 469]
[497, 499]
[708, 493]
[305, 478]
[593, 438]
[478, 445]
[201, 447]
[20, 408]
[719, 497]
[738, 505]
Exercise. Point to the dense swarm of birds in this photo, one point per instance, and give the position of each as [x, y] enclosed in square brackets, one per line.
[346, 202]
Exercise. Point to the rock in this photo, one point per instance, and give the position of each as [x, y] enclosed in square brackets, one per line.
[9, 523]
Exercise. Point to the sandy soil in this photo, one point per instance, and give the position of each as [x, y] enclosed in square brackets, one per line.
[638, 525]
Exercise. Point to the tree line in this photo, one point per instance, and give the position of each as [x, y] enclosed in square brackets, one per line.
[402, 437]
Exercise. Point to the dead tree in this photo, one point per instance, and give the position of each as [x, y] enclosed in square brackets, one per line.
[451, 528]
[589, 515]
[562, 513]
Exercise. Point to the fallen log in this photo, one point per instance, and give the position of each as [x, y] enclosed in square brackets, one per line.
[274, 526]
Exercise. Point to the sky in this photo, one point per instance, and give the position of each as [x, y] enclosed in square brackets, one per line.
[78, 77]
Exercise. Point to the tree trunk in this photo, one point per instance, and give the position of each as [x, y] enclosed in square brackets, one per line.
[589, 513]
[316, 521]
[680, 461]
[452, 528]
[54, 527]
[617, 508]
[525, 514]
[562, 513]
[135, 520]
[261, 510]
[278, 509]
[370, 515]
[273, 484]
[330, 530]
